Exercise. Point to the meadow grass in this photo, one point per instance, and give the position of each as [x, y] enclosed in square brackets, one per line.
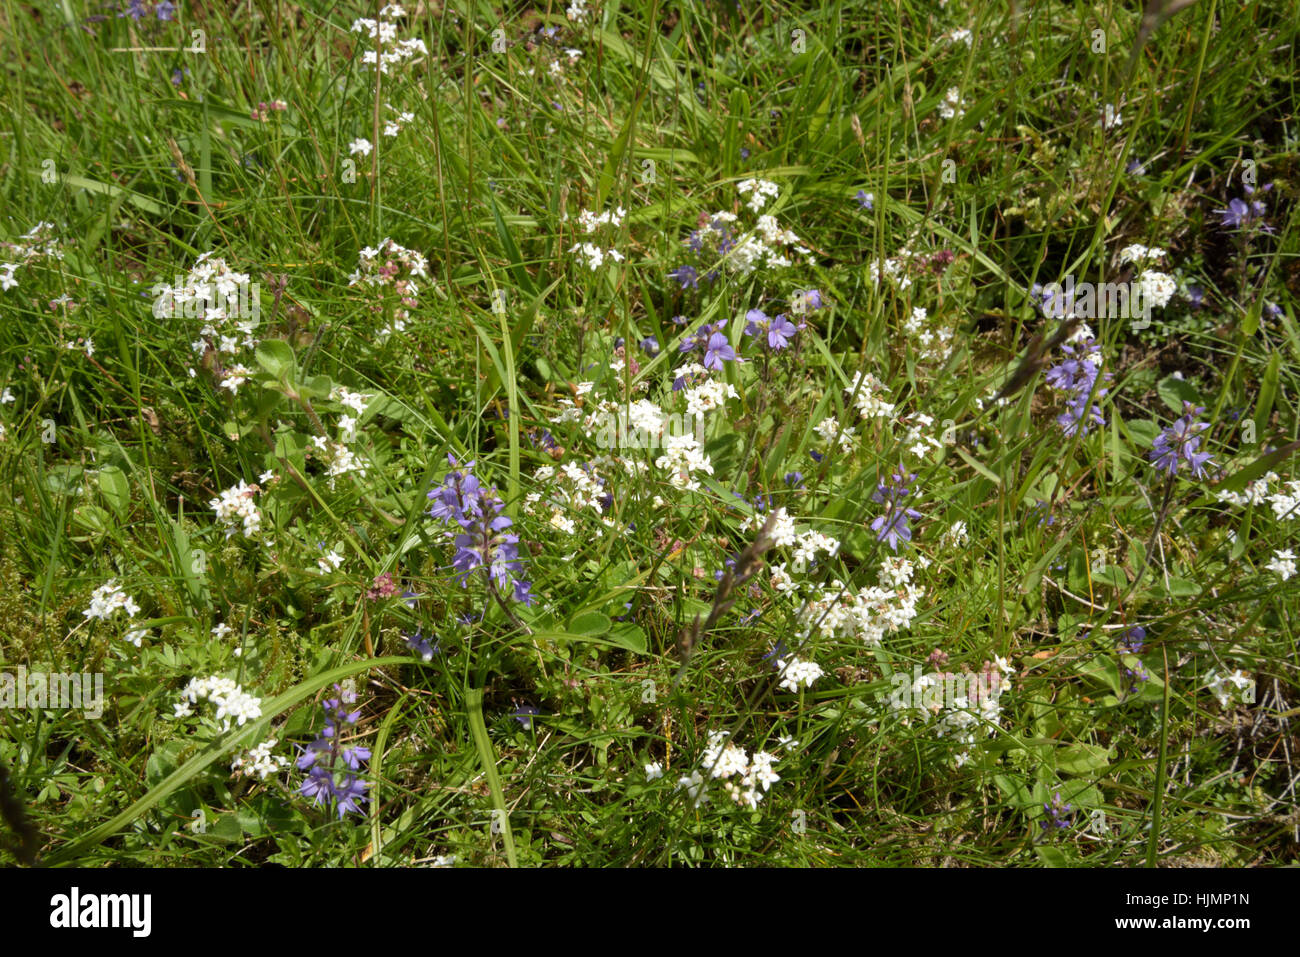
[715, 658]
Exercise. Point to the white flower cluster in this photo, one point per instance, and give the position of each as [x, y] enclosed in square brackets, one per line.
[952, 103]
[107, 601]
[1140, 255]
[830, 431]
[259, 762]
[865, 392]
[229, 307]
[962, 703]
[235, 507]
[1255, 493]
[683, 456]
[593, 254]
[232, 702]
[577, 11]
[795, 673]
[38, 243]
[1285, 502]
[934, 343]
[389, 49]
[1283, 564]
[382, 267]
[1157, 287]
[337, 458]
[758, 190]
[872, 612]
[708, 395]
[569, 489]
[1228, 688]
[744, 778]
[916, 440]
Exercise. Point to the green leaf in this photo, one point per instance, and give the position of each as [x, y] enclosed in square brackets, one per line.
[590, 623]
[1082, 759]
[116, 489]
[276, 357]
[1175, 392]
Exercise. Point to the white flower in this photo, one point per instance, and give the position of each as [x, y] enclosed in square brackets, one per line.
[259, 762]
[1283, 564]
[361, 146]
[108, 600]
[235, 508]
[231, 700]
[331, 562]
[798, 673]
[654, 771]
[1157, 287]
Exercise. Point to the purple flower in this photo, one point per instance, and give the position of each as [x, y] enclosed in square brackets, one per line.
[1132, 640]
[165, 10]
[330, 767]
[1076, 375]
[524, 714]
[794, 478]
[1058, 813]
[892, 526]
[1240, 214]
[779, 330]
[865, 199]
[649, 345]
[718, 351]
[483, 543]
[135, 10]
[1180, 443]
[687, 276]
[420, 645]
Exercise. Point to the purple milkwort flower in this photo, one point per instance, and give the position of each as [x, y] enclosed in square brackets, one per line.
[1132, 640]
[165, 10]
[483, 544]
[330, 767]
[813, 298]
[135, 10]
[524, 714]
[687, 276]
[1195, 296]
[744, 153]
[718, 351]
[1058, 813]
[420, 645]
[892, 526]
[779, 329]
[794, 478]
[649, 345]
[1139, 674]
[1179, 443]
[1076, 375]
[1240, 214]
[776, 654]
[816, 456]
[865, 199]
